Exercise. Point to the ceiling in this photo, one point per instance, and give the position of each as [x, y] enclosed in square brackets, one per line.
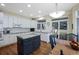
[45, 8]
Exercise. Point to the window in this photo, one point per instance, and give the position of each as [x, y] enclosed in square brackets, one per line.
[55, 25]
[41, 26]
[63, 25]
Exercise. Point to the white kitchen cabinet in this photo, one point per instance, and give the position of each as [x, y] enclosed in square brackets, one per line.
[45, 36]
[1, 28]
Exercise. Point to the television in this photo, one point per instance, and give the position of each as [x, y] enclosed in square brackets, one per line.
[32, 29]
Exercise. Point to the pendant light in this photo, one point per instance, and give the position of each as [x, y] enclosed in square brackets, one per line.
[57, 14]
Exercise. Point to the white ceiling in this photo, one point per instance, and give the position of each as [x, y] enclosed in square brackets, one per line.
[46, 8]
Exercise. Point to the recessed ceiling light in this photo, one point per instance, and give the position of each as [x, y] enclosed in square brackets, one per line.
[20, 10]
[29, 5]
[2, 4]
[39, 11]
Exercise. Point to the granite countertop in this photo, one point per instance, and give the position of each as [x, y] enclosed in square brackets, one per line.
[28, 35]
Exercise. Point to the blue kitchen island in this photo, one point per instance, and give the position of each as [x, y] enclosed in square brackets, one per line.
[26, 44]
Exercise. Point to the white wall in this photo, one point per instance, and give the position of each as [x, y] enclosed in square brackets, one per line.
[72, 17]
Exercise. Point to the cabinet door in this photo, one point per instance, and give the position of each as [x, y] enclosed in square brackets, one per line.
[20, 46]
[27, 46]
[36, 42]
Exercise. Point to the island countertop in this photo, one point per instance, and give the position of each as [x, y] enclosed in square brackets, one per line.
[28, 35]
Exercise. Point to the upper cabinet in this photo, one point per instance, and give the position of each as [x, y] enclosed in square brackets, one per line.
[10, 21]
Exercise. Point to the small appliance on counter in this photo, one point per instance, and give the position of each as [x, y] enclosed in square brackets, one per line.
[6, 31]
[32, 29]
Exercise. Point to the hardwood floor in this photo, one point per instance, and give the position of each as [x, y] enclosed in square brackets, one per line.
[12, 49]
[9, 50]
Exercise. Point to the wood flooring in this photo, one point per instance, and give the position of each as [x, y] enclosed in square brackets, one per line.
[44, 49]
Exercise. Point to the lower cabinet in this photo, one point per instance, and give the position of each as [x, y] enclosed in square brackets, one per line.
[36, 43]
[28, 45]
